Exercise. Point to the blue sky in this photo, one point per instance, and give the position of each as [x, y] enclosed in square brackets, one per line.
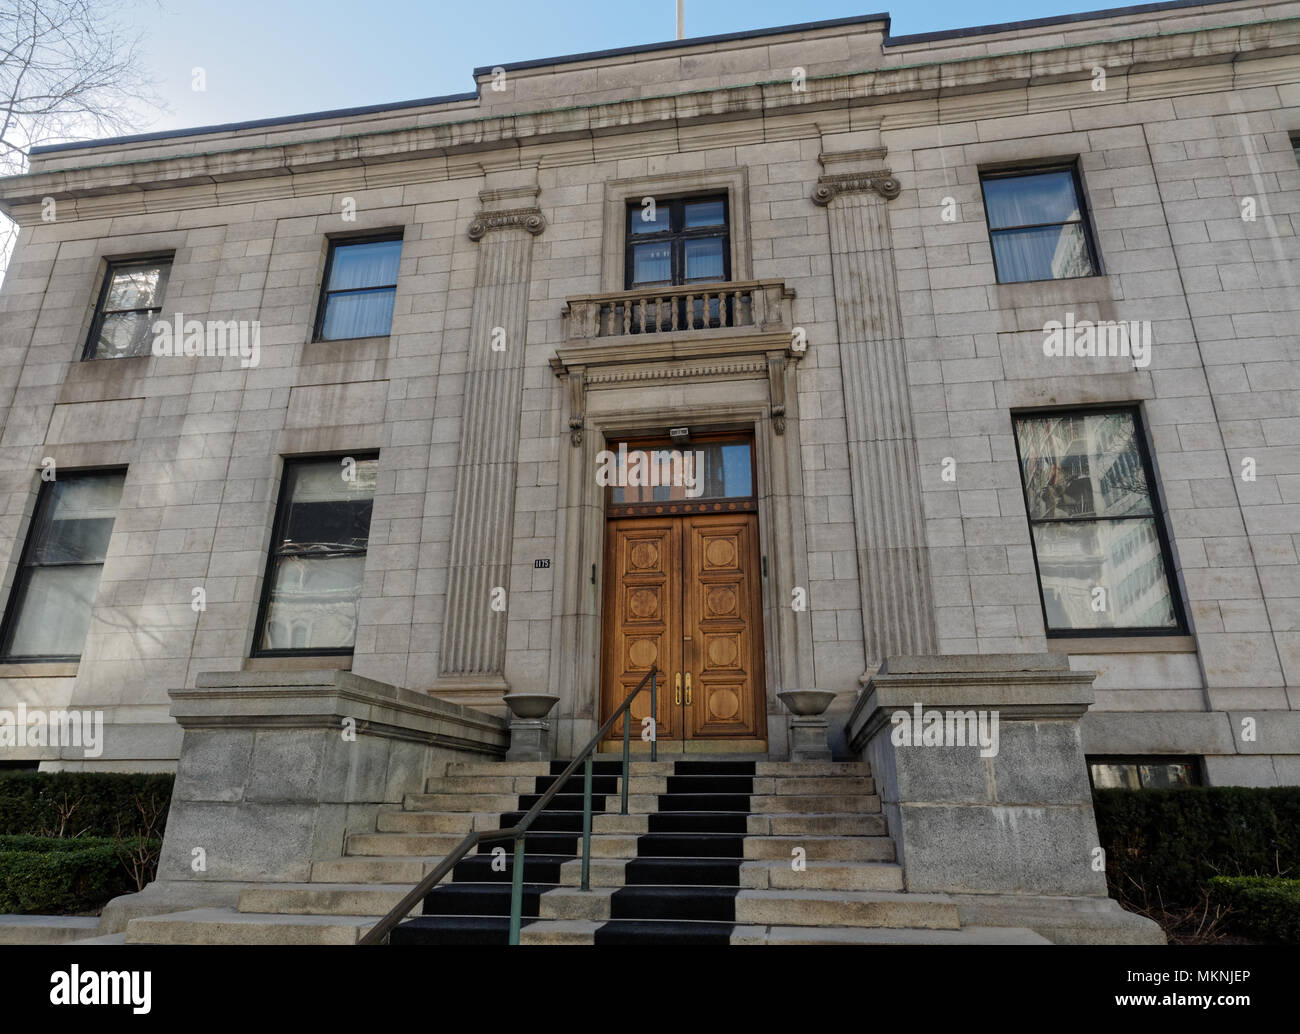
[264, 58]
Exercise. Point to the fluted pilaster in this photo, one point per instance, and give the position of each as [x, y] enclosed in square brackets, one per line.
[473, 633]
[893, 559]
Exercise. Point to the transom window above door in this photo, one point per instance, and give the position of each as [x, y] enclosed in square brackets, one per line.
[671, 243]
[652, 477]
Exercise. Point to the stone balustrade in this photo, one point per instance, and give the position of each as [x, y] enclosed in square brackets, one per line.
[757, 306]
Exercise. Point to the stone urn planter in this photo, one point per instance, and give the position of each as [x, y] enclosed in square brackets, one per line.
[528, 726]
[808, 728]
[807, 703]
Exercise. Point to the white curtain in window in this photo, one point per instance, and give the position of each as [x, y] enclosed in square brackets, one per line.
[364, 314]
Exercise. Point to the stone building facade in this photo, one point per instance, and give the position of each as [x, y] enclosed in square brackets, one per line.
[836, 253]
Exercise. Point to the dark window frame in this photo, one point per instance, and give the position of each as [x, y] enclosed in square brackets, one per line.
[677, 235]
[97, 320]
[1158, 517]
[18, 590]
[1195, 763]
[1085, 217]
[322, 302]
[277, 532]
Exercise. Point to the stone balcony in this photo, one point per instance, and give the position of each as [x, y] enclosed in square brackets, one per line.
[667, 332]
[730, 309]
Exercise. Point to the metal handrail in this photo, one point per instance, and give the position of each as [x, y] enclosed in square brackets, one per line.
[379, 932]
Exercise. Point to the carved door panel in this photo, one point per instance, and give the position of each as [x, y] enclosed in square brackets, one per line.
[643, 619]
[683, 593]
[722, 642]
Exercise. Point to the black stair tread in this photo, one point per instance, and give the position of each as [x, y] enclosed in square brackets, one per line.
[453, 929]
[563, 802]
[714, 768]
[663, 931]
[539, 842]
[603, 785]
[717, 904]
[546, 822]
[538, 868]
[483, 899]
[690, 845]
[704, 802]
[734, 823]
[597, 768]
[711, 784]
[696, 872]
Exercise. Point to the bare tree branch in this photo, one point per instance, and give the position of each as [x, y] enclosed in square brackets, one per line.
[69, 70]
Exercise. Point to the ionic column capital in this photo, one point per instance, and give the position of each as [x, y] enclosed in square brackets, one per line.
[530, 219]
[878, 181]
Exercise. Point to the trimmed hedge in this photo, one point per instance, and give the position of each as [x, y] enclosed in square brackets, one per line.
[60, 875]
[1166, 846]
[96, 804]
[1268, 906]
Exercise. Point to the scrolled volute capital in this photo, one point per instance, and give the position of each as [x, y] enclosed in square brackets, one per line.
[877, 181]
[530, 219]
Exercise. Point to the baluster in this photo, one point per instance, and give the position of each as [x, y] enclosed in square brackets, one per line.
[736, 320]
[675, 302]
[627, 317]
[659, 319]
[643, 304]
[690, 312]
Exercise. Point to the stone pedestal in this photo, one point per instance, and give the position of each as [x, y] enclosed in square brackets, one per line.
[529, 730]
[809, 730]
[529, 740]
[1007, 820]
[278, 768]
[1015, 817]
[809, 740]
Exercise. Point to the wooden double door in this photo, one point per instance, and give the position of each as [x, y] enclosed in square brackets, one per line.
[682, 593]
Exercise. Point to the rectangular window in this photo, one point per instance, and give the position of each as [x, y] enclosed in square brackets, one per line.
[677, 242]
[49, 610]
[1143, 773]
[318, 557]
[1038, 225]
[359, 289]
[1103, 560]
[129, 304]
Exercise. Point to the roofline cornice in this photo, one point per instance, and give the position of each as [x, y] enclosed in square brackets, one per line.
[467, 145]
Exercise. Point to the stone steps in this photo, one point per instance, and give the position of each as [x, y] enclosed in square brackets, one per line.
[644, 804]
[711, 852]
[663, 767]
[645, 785]
[583, 932]
[774, 907]
[617, 845]
[228, 926]
[754, 874]
[396, 820]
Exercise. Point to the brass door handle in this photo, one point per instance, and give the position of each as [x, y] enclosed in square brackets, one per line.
[688, 687]
[678, 696]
